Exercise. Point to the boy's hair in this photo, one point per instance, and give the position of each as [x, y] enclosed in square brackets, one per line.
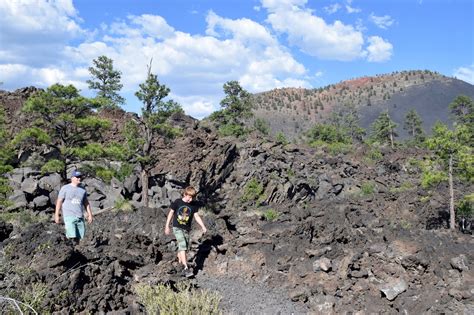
[190, 191]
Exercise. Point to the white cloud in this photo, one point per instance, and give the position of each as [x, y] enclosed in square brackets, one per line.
[351, 10]
[383, 22]
[379, 50]
[16, 75]
[44, 25]
[465, 73]
[312, 34]
[194, 67]
[333, 8]
[243, 30]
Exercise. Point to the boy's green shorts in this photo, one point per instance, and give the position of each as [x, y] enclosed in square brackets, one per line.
[75, 227]
[182, 238]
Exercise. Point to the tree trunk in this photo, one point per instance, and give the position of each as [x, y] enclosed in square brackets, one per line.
[452, 219]
[144, 180]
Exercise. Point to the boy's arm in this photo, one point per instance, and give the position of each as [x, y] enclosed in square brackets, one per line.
[168, 221]
[59, 204]
[200, 222]
[88, 211]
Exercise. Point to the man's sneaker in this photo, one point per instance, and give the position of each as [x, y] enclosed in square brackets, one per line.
[188, 272]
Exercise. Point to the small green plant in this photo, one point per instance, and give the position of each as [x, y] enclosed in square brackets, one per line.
[465, 207]
[374, 155]
[22, 218]
[163, 299]
[290, 173]
[405, 224]
[262, 126]
[367, 188]
[281, 139]
[43, 246]
[125, 170]
[405, 186]
[339, 148]
[252, 191]
[123, 205]
[271, 215]
[34, 297]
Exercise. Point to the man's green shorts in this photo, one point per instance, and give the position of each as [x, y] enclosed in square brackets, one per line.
[182, 238]
[75, 227]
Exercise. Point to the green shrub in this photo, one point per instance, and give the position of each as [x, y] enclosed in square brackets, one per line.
[29, 301]
[262, 126]
[327, 133]
[271, 215]
[374, 155]
[21, 218]
[105, 174]
[230, 129]
[125, 170]
[53, 166]
[465, 207]
[367, 188]
[280, 138]
[431, 173]
[252, 191]
[161, 298]
[403, 187]
[123, 205]
[5, 191]
[339, 148]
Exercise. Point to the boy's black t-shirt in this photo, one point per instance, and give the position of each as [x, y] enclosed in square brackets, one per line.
[183, 213]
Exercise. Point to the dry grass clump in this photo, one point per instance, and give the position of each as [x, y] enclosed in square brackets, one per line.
[163, 299]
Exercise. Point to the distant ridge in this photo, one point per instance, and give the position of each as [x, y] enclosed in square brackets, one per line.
[295, 110]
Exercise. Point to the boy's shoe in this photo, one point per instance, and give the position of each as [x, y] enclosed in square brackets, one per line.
[188, 273]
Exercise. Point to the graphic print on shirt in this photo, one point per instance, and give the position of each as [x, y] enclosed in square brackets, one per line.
[184, 212]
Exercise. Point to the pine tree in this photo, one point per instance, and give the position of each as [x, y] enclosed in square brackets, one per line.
[462, 109]
[66, 122]
[141, 133]
[106, 80]
[413, 124]
[236, 109]
[455, 149]
[383, 129]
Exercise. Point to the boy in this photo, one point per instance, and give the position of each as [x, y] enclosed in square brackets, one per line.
[182, 211]
[72, 199]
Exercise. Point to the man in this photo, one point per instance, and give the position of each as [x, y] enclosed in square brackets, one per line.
[182, 211]
[72, 199]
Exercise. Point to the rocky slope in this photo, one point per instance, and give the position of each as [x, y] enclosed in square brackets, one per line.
[292, 229]
[322, 234]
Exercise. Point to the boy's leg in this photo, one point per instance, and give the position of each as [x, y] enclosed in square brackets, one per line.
[182, 238]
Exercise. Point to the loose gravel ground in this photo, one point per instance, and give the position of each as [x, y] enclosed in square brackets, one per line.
[239, 297]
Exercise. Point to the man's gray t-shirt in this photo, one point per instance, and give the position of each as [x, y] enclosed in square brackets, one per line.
[74, 199]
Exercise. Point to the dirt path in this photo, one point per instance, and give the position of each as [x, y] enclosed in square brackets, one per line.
[239, 297]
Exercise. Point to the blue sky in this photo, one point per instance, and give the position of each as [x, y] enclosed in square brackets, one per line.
[199, 45]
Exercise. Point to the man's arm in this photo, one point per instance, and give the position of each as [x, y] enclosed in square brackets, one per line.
[59, 204]
[168, 221]
[200, 222]
[88, 211]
